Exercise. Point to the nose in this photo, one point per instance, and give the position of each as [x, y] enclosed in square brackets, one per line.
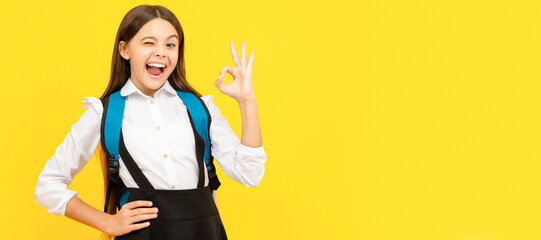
[160, 51]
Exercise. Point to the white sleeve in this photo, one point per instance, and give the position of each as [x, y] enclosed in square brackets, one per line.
[69, 159]
[243, 164]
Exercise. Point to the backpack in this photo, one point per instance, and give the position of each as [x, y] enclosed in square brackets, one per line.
[111, 124]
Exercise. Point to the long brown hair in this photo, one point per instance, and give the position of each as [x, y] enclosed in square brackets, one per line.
[132, 22]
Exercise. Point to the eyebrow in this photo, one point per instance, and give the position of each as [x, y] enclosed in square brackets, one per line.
[174, 35]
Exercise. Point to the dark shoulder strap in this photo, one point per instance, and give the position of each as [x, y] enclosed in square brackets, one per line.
[136, 173]
[211, 169]
[201, 118]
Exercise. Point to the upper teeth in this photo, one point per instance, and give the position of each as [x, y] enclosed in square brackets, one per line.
[156, 65]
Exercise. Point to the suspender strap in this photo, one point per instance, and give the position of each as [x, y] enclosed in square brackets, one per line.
[135, 171]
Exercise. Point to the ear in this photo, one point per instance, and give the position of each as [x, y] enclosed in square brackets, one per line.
[123, 49]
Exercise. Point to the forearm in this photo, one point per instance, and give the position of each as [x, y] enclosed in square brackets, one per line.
[79, 211]
[251, 133]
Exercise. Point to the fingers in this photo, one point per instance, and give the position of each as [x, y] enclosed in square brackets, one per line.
[243, 55]
[131, 217]
[142, 217]
[219, 84]
[136, 204]
[139, 226]
[241, 63]
[220, 81]
[250, 63]
[229, 70]
[234, 53]
[135, 208]
[141, 214]
[142, 211]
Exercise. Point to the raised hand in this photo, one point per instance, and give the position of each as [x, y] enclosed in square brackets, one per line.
[240, 88]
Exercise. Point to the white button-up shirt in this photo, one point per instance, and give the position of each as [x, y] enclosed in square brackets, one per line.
[158, 134]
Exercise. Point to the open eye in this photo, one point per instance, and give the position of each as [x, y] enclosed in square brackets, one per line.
[171, 45]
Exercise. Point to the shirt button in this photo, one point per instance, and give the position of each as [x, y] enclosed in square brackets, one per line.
[151, 101]
[173, 186]
[165, 155]
[158, 128]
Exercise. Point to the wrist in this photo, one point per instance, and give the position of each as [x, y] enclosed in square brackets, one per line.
[108, 224]
[250, 99]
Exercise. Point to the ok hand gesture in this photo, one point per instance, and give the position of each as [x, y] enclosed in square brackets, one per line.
[240, 88]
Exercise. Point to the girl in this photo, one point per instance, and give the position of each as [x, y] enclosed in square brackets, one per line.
[158, 138]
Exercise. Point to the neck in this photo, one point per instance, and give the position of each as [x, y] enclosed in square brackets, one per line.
[145, 90]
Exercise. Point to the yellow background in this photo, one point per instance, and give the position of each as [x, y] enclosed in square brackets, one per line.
[381, 119]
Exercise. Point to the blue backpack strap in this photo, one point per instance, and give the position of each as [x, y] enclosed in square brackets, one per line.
[113, 112]
[201, 119]
[113, 124]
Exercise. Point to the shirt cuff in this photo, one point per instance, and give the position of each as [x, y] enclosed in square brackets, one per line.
[61, 209]
[250, 150]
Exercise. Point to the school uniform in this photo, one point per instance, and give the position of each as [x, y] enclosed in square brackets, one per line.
[158, 135]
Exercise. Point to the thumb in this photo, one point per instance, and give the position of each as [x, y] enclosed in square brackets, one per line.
[219, 83]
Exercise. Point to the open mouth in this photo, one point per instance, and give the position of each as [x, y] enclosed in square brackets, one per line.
[155, 70]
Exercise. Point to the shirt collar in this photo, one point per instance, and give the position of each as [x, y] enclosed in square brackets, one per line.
[130, 88]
